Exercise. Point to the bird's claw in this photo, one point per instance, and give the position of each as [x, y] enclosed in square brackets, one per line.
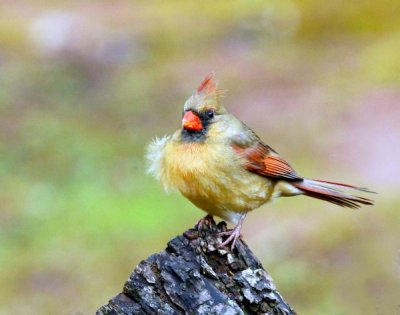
[233, 236]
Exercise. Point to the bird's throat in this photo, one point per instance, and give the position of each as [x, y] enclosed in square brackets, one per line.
[194, 136]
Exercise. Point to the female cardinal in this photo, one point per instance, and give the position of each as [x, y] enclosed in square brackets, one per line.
[223, 167]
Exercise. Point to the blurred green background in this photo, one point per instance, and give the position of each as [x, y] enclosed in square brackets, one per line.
[84, 86]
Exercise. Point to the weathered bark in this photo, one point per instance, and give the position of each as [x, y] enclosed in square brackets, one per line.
[194, 276]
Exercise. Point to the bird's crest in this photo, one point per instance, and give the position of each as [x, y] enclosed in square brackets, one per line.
[208, 86]
[206, 93]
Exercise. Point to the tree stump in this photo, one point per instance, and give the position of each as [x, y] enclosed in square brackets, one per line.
[193, 276]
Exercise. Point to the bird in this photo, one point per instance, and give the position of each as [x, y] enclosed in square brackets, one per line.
[224, 168]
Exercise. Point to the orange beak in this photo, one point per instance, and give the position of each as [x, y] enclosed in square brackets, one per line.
[191, 122]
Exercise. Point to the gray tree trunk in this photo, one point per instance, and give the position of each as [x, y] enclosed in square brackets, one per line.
[193, 276]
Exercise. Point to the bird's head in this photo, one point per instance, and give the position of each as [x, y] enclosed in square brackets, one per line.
[202, 110]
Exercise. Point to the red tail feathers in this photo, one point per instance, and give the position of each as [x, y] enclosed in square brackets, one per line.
[333, 192]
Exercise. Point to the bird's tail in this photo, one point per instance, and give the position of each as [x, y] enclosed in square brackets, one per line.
[337, 193]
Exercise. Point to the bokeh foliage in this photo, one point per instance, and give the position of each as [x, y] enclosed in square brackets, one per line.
[84, 87]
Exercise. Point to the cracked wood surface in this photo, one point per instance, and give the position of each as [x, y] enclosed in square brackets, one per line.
[193, 276]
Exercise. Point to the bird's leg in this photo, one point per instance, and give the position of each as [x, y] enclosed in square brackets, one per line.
[208, 219]
[233, 234]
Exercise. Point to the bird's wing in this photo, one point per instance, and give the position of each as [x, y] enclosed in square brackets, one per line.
[264, 161]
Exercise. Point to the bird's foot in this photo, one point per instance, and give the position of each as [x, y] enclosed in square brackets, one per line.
[208, 220]
[233, 234]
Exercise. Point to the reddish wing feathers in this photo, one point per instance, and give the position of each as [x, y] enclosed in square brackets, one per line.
[276, 166]
[262, 160]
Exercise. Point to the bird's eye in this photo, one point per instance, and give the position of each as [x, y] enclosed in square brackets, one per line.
[210, 113]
